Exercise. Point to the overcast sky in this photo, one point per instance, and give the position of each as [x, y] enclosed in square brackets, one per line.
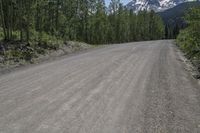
[122, 1]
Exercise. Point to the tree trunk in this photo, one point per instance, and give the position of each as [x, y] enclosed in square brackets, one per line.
[3, 20]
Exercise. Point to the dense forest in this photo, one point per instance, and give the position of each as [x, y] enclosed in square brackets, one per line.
[189, 38]
[88, 21]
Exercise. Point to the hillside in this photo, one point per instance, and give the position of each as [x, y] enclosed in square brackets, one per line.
[177, 12]
[174, 18]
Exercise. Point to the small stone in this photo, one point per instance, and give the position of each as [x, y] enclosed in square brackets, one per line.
[196, 76]
[1, 59]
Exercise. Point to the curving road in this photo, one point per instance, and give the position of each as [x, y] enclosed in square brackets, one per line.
[127, 88]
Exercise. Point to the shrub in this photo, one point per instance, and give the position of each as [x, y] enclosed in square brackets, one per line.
[49, 42]
[189, 38]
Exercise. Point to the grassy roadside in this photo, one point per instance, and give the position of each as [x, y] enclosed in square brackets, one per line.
[189, 38]
[16, 53]
[190, 48]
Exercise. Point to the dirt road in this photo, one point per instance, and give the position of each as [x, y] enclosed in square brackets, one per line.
[127, 88]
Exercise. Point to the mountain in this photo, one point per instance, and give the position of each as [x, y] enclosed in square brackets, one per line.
[177, 12]
[174, 18]
[156, 5]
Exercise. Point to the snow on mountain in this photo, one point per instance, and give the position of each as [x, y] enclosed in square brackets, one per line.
[156, 5]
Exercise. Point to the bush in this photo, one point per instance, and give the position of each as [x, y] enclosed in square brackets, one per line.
[49, 42]
[189, 43]
[189, 38]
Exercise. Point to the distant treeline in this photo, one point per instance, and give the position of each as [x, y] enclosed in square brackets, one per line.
[81, 20]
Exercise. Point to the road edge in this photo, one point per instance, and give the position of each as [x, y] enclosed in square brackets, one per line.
[48, 60]
[189, 66]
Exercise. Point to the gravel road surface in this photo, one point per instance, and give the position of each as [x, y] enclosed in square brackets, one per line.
[140, 87]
